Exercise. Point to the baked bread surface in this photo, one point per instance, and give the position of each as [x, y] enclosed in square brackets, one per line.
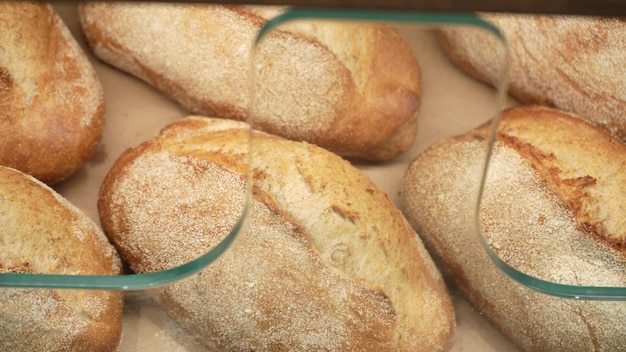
[327, 262]
[552, 208]
[51, 101]
[350, 87]
[42, 233]
[575, 64]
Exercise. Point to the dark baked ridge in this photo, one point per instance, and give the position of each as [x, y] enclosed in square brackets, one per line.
[584, 166]
[527, 224]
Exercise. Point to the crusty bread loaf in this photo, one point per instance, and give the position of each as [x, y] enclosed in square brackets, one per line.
[351, 88]
[51, 102]
[327, 262]
[43, 233]
[576, 64]
[553, 207]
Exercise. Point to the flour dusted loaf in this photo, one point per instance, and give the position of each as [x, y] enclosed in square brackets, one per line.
[42, 233]
[327, 262]
[349, 87]
[576, 64]
[553, 207]
[51, 102]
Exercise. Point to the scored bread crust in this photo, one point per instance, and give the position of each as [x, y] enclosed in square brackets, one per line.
[350, 87]
[51, 102]
[327, 262]
[552, 208]
[42, 233]
[575, 64]
[582, 165]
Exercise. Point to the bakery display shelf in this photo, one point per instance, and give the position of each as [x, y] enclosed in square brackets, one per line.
[452, 103]
[423, 21]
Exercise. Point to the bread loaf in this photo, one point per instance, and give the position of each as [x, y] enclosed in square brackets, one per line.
[42, 233]
[352, 88]
[553, 208]
[576, 64]
[327, 262]
[51, 102]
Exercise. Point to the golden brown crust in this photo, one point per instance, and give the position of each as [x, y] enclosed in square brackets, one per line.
[581, 164]
[351, 88]
[536, 194]
[51, 102]
[43, 233]
[330, 264]
[575, 64]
